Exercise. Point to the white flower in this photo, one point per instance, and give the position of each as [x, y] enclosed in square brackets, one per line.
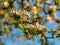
[17, 12]
[53, 7]
[6, 4]
[28, 14]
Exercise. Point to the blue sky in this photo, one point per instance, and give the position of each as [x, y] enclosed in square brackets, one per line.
[13, 39]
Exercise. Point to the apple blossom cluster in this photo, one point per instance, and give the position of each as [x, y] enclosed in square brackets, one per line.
[25, 15]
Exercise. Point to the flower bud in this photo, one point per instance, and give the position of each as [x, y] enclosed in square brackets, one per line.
[34, 8]
[39, 1]
[49, 19]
